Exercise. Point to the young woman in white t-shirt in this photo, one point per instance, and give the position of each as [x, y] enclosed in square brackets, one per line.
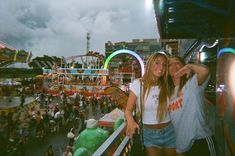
[158, 132]
[187, 108]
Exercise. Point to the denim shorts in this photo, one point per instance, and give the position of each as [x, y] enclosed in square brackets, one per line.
[161, 138]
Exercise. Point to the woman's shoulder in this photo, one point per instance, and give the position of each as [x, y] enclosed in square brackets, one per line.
[138, 80]
[192, 79]
[135, 84]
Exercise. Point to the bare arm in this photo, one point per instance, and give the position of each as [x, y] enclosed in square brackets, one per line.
[131, 124]
[201, 70]
[228, 139]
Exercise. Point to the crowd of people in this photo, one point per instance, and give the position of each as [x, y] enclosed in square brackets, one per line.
[47, 115]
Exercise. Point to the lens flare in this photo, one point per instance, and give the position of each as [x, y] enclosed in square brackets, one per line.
[148, 4]
[231, 79]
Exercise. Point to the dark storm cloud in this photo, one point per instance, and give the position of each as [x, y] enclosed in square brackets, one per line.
[59, 27]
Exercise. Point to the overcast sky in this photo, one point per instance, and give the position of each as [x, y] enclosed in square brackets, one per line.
[59, 27]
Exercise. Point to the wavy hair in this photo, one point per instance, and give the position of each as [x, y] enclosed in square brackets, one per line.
[149, 81]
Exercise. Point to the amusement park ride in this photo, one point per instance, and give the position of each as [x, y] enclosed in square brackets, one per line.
[94, 75]
[9, 55]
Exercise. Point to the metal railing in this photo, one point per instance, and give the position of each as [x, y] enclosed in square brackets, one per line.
[117, 144]
[124, 148]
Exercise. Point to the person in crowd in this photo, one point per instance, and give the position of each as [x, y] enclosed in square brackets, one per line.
[39, 124]
[158, 132]
[46, 120]
[3, 132]
[46, 100]
[68, 151]
[10, 126]
[22, 99]
[71, 136]
[187, 108]
[49, 151]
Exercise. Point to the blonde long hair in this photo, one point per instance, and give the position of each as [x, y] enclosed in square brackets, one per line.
[148, 82]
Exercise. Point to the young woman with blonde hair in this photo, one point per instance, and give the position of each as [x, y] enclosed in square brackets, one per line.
[158, 132]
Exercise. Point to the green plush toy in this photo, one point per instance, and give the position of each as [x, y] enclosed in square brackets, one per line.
[81, 151]
[118, 123]
[91, 138]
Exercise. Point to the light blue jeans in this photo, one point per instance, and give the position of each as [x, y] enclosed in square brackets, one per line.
[161, 138]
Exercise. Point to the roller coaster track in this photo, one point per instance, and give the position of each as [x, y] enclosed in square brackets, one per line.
[84, 58]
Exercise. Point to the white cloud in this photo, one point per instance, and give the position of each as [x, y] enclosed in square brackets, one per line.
[59, 27]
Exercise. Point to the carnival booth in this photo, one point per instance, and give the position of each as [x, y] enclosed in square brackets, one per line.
[109, 119]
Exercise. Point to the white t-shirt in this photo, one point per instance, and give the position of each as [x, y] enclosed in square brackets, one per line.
[151, 103]
[188, 115]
